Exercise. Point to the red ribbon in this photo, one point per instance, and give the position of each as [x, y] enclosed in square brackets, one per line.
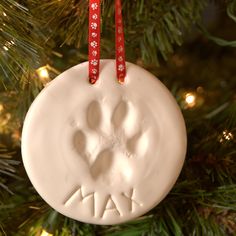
[94, 41]
[120, 43]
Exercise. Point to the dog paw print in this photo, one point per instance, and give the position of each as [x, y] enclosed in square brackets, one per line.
[112, 156]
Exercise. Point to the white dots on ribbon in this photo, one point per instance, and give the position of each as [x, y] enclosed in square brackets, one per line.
[94, 62]
[121, 67]
[119, 30]
[120, 58]
[94, 71]
[94, 25]
[94, 35]
[120, 49]
[95, 16]
[94, 6]
[94, 44]
[94, 53]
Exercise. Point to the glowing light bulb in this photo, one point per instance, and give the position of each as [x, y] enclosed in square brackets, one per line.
[4, 14]
[45, 233]
[1, 108]
[8, 45]
[190, 99]
[42, 72]
[5, 48]
[226, 136]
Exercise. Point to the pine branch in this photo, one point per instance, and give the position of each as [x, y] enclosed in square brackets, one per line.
[20, 39]
[153, 28]
[231, 12]
[7, 168]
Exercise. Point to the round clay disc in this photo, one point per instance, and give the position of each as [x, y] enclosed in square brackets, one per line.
[104, 153]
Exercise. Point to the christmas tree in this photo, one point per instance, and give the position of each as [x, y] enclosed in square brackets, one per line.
[188, 45]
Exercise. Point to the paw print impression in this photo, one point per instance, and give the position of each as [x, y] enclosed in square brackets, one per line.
[115, 153]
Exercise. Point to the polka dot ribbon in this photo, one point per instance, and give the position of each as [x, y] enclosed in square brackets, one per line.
[94, 41]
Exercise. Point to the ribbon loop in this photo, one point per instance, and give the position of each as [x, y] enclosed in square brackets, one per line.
[94, 41]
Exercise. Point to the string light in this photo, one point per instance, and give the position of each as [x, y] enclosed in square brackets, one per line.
[226, 136]
[8, 45]
[5, 48]
[45, 233]
[4, 14]
[190, 99]
[43, 72]
[1, 108]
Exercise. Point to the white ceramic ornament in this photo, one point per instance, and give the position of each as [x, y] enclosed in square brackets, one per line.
[104, 153]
